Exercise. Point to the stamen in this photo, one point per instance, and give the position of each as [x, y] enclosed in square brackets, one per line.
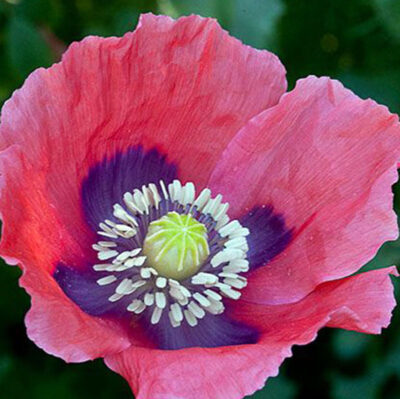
[148, 299]
[161, 301]
[156, 316]
[175, 323]
[125, 285]
[104, 255]
[176, 310]
[190, 318]
[201, 299]
[225, 256]
[137, 306]
[167, 249]
[106, 280]
[196, 310]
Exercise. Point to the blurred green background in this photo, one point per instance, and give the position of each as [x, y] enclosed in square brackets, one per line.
[356, 41]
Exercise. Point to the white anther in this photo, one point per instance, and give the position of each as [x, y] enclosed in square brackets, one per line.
[177, 290]
[145, 272]
[238, 242]
[139, 283]
[216, 307]
[101, 266]
[124, 287]
[175, 191]
[106, 234]
[106, 280]
[242, 232]
[173, 283]
[135, 261]
[115, 297]
[125, 231]
[204, 279]
[202, 199]
[123, 256]
[130, 203]
[104, 255]
[106, 228]
[196, 310]
[156, 315]
[147, 196]
[161, 282]
[213, 205]
[235, 282]
[226, 255]
[174, 323]
[222, 222]
[137, 306]
[213, 295]
[220, 211]
[107, 244]
[176, 310]
[228, 275]
[190, 318]
[183, 301]
[201, 299]
[155, 195]
[228, 291]
[185, 291]
[242, 263]
[161, 300]
[123, 215]
[148, 299]
[164, 189]
[140, 201]
[229, 228]
[237, 266]
[176, 293]
[189, 193]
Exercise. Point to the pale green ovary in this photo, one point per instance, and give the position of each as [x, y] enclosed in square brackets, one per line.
[176, 245]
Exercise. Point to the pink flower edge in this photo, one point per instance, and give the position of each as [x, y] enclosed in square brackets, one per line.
[91, 121]
[326, 160]
[362, 303]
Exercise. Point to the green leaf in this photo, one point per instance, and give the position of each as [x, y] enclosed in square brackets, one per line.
[27, 49]
[389, 12]
[255, 21]
[277, 388]
[349, 344]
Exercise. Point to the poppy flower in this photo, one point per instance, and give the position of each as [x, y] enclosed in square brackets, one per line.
[175, 213]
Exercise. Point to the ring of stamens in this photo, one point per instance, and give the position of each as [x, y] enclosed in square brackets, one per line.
[125, 265]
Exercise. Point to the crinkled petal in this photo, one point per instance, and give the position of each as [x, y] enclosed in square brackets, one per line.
[181, 87]
[62, 329]
[325, 160]
[362, 303]
[36, 241]
[268, 236]
[109, 180]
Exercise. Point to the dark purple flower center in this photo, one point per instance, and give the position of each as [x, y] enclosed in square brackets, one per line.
[152, 253]
[166, 258]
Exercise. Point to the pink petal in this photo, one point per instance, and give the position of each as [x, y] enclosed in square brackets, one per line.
[363, 303]
[37, 241]
[61, 329]
[184, 86]
[325, 160]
